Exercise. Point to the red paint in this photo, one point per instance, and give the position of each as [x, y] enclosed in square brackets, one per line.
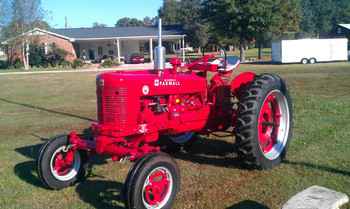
[63, 162]
[157, 188]
[135, 107]
[242, 79]
[268, 123]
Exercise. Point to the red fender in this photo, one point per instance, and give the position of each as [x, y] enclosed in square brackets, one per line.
[242, 79]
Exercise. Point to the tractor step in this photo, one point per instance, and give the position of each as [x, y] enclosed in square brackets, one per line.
[317, 197]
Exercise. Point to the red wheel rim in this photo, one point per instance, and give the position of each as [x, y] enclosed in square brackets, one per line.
[273, 124]
[65, 163]
[157, 188]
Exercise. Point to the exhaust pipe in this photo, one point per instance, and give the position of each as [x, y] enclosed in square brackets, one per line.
[159, 50]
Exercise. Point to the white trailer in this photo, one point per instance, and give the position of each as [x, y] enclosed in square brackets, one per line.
[310, 50]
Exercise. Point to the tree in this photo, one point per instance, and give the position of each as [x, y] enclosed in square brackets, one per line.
[98, 25]
[187, 13]
[128, 22]
[147, 21]
[169, 12]
[250, 20]
[276, 18]
[25, 15]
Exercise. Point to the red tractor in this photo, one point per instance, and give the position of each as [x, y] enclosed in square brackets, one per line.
[137, 108]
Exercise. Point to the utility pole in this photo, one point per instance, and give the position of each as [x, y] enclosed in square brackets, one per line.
[65, 22]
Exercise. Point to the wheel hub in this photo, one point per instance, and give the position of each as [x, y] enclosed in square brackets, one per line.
[65, 163]
[157, 188]
[273, 125]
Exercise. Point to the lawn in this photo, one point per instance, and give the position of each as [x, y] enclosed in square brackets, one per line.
[36, 107]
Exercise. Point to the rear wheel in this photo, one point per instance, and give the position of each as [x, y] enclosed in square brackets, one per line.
[313, 61]
[264, 124]
[58, 165]
[152, 183]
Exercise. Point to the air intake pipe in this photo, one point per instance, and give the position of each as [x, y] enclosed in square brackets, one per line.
[159, 50]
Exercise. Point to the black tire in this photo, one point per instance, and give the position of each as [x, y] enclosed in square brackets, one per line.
[246, 130]
[304, 61]
[44, 164]
[313, 61]
[134, 185]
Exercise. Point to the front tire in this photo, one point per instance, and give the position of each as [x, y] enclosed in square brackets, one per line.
[58, 166]
[264, 124]
[152, 183]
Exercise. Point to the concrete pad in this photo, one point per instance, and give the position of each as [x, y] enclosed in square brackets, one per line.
[317, 197]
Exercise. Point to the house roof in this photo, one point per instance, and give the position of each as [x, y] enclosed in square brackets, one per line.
[347, 26]
[116, 32]
[74, 34]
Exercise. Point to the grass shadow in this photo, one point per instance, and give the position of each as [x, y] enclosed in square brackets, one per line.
[101, 194]
[211, 152]
[46, 110]
[319, 167]
[25, 171]
[248, 204]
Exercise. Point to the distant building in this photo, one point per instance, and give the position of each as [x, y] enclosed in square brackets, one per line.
[342, 30]
[103, 42]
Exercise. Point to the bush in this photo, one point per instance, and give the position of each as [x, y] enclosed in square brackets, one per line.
[65, 64]
[54, 57]
[78, 63]
[17, 64]
[3, 64]
[37, 56]
[107, 63]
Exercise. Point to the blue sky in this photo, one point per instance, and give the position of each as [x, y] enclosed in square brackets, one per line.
[82, 13]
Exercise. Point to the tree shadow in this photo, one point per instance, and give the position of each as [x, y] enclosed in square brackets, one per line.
[101, 194]
[319, 167]
[47, 110]
[248, 204]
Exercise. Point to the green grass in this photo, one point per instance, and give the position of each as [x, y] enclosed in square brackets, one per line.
[36, 107]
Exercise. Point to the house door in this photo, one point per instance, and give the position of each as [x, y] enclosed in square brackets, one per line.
[91, 54]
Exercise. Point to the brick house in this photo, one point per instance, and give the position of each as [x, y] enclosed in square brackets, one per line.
[97, 43]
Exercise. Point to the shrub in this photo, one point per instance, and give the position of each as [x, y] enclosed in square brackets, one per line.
[107, 63]
[65, 64]
[17, 64]
[3, 64]
[37, 56]
[78, 63]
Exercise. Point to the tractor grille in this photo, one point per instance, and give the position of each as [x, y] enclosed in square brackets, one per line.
[112, 106]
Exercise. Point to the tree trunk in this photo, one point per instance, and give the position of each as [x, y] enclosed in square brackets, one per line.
[259, 50]
[25, 56]
[242, 51]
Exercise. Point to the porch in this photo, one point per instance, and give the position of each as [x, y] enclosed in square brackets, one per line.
[121, 49]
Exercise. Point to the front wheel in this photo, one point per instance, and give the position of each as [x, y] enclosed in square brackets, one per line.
[58, 165]
[264, 124]
[152, 183]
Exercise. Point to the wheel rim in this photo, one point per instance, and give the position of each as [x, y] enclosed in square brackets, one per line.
[65, 164]
[304, 61]
[273, 125]
[157, 188]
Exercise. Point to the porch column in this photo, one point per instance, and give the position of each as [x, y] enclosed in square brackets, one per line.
[151, 49]
[183, 48]
[118, 50]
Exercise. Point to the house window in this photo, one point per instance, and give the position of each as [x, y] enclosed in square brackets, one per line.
[100, 51]
[111, 52]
